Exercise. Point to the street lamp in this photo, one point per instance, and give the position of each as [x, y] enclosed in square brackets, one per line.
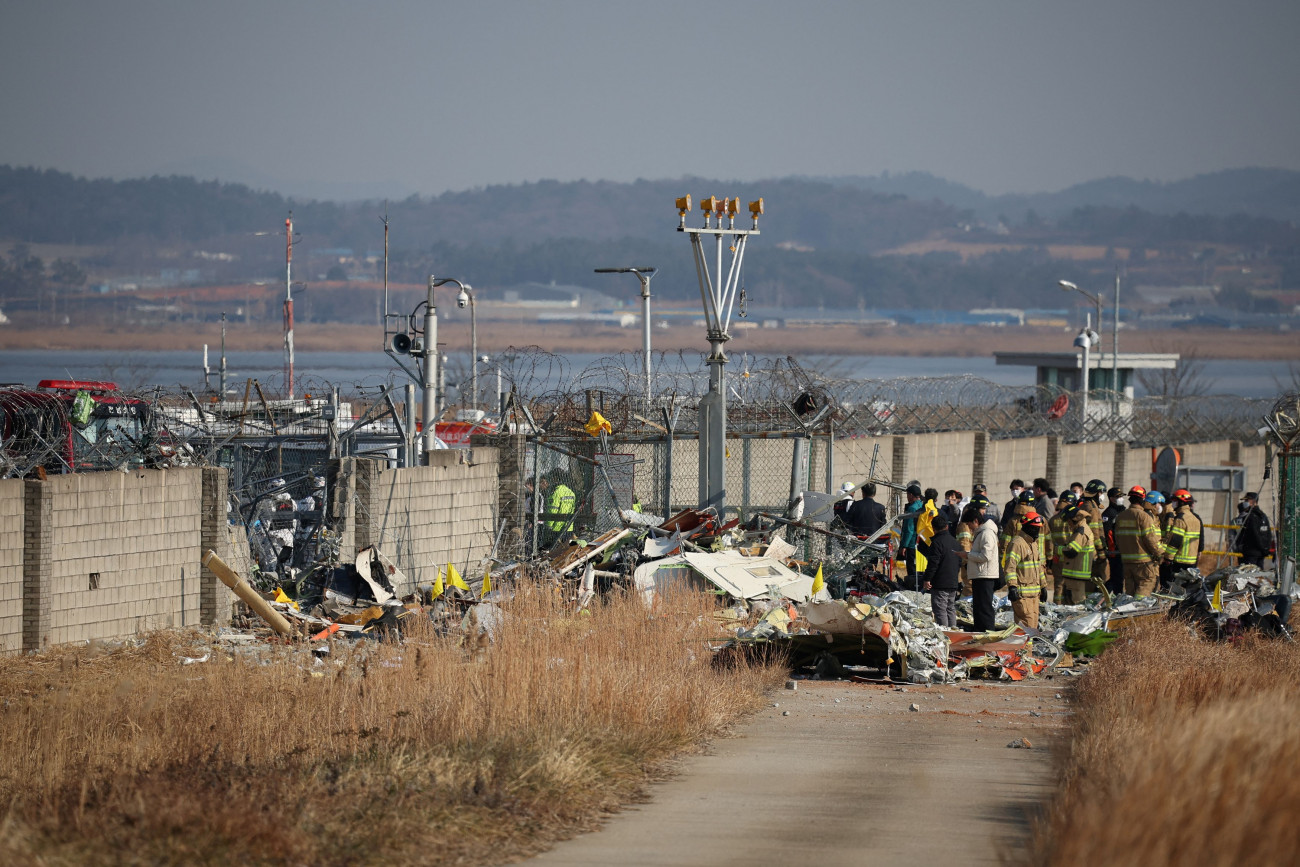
[429, 378]
[463, 300]
[1067, 286]
[644, 275]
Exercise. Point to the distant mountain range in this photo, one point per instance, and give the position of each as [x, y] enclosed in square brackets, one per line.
[823, 239]
[1273, 193]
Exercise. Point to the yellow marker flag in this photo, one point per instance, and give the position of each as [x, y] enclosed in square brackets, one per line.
[438, 588]
[487, 584]
[281, 596]
[819, 583]
[454, 579]
[1217, 602]
[597, 424]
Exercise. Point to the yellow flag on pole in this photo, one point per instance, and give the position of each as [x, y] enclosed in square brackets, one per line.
[454, 579]
[596, 424]
[438, 588]
[819, 583]
[487, 584]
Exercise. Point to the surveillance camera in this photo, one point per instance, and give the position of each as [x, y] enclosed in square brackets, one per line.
[462, 300]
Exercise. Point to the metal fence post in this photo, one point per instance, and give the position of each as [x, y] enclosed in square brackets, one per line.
[746, 462]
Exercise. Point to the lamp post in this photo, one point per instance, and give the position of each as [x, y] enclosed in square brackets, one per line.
[718, 294]
[1067, 286]
[644, 275]
[463, 300]
[428, 378]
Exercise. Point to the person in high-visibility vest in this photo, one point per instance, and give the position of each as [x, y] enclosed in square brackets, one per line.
[1137, 533]
[1054, 539]
[1183, 541]
[1076, 556]
[560, 503]
[1091, 503]
[1024, 571]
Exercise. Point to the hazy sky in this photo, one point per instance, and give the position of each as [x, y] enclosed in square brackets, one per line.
[387, 98]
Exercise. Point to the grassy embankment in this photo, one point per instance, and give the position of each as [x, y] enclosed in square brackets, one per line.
[424, 752]
[1182, 751]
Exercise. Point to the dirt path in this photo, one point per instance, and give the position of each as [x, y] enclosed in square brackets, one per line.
[850, 776]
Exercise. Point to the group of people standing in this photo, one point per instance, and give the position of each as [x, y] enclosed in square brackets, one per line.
[1043, 546]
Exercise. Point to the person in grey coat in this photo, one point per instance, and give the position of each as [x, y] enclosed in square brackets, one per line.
[982, 566]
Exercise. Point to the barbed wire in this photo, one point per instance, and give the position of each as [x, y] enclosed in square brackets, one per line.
[159, 426]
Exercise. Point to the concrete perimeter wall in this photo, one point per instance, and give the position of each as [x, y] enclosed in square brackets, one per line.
[125, 550]
[106, 555]
[11, 565]
[423, 518]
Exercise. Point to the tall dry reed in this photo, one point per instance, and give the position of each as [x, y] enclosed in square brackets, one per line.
[1183, 751]
[429, 751]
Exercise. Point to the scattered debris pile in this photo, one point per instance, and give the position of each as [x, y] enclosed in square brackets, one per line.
[847, 620]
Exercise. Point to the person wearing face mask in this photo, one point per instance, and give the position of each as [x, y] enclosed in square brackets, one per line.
[1010, 528]
[1076, 556]
[1054, 539]
[1026, 586]
[1255, 539]
[1017, 488]
[1090, 502]
[1115, 584]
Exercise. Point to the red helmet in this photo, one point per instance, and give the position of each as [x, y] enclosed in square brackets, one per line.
[1182, 495]
[1137, 494]
[1031, 519]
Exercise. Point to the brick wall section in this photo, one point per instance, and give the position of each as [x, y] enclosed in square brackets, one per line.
[38, 508]
[1082, 462]
[512, 461]
[1119, 466]
[980, 460]
[12, 509]
[898, 461]
[141, 533]
[425, 517]
[215, 598]
[1014, 459]
[367, 516]
[943, 461]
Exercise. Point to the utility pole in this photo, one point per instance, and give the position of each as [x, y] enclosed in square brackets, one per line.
[288, 304]
[221, 378]
[644, 275]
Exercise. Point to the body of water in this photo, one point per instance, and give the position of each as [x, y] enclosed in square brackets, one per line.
[134, 370]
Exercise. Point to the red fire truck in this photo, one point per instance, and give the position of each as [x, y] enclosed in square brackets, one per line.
[71, 425]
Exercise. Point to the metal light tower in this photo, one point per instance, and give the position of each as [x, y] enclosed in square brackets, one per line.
[718, 294]
[429, 371]
[644, 275]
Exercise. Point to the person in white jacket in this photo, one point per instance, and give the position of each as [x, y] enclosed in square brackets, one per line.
[982, 565]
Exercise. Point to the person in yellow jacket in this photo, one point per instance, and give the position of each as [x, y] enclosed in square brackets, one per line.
[1091, 503]
[1053, 541]
[1024, 505]
[1024, 571]
[1185, 534]
[1137, 534]
[561, 503]
[1076, 556]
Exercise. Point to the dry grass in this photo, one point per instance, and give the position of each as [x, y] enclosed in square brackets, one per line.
[1183, 752]
[425, 752]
